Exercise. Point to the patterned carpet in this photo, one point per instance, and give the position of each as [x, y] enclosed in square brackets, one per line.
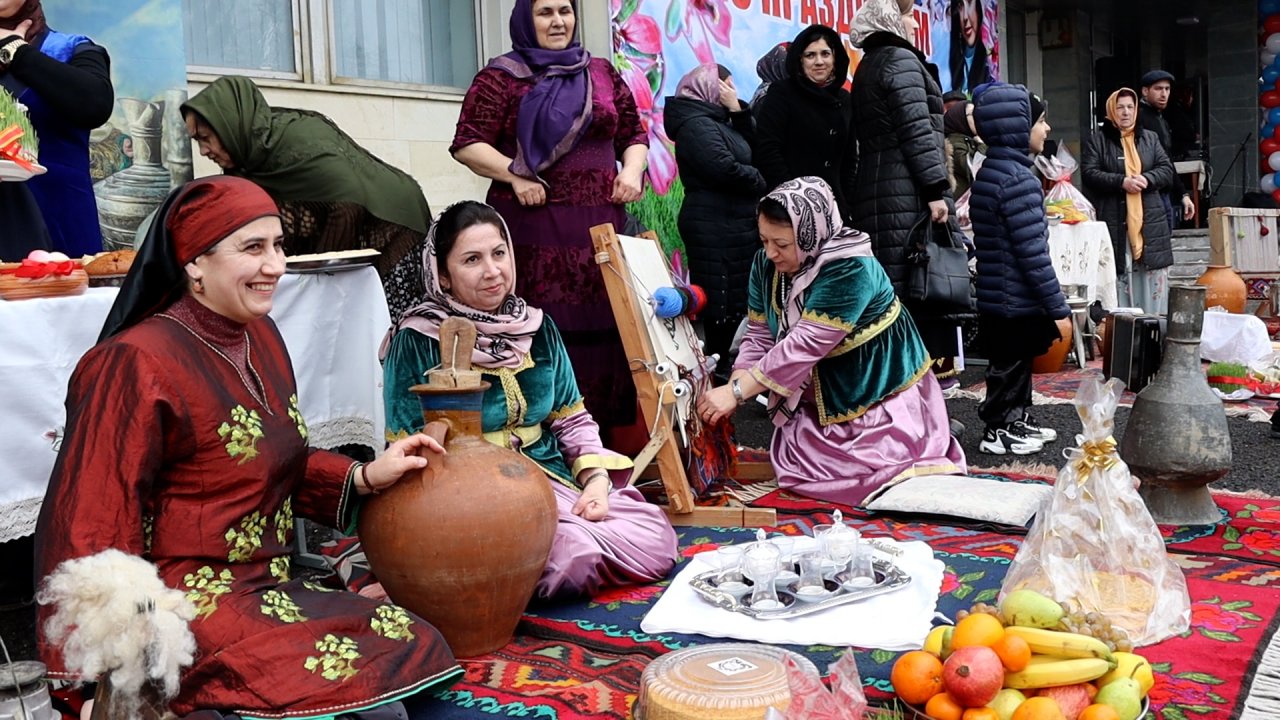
[584, 659]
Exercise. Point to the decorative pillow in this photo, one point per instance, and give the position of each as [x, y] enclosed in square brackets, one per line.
[997, 501]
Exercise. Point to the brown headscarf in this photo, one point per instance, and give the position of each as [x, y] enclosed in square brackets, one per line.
[30, 10]
[1132, 166]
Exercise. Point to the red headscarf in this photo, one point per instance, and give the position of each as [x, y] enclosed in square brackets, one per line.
[30, 10]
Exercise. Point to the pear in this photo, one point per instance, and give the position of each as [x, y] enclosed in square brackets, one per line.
[1029, 608]
[1124, 696]
[1130, 665]
[1006, 702]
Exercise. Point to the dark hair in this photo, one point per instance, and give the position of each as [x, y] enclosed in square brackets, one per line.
[723, 71]
[458, 217]
[774, 211]
[978, 73]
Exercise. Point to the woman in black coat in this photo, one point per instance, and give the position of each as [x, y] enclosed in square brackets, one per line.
[1126, 172]
[901, 174]
[717, 222]
[802, 127]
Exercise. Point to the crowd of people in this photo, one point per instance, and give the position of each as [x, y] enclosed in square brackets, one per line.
[183, 442]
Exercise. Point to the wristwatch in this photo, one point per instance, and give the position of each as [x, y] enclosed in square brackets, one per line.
[8, 50]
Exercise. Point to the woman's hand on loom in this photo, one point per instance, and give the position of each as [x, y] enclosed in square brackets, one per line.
[717, 404]
[593, 503]
[403, 457]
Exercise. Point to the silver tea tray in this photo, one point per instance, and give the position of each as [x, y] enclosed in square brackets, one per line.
[889, 577]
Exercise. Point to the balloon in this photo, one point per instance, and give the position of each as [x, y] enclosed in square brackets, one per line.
[1269, 99]
[1270, 74]
[1268, 7]
[1267, 131]
[1273, 160]
[1276, 194]
[1267, 57]
[1271, 24]
[1268, 183]
[1268, 146]
[1273, 117]
[1273, 42]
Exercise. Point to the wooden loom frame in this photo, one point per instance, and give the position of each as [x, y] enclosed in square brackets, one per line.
[664, 441]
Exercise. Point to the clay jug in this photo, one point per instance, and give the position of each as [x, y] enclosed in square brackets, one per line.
[464, 542]
[1052, 359]
[1225, 288]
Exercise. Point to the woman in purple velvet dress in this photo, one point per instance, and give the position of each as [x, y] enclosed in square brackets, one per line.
[548, 124]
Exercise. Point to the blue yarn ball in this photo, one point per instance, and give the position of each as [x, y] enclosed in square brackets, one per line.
[667, 302]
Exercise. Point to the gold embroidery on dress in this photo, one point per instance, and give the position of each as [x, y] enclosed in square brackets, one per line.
[148, 529]
[248, 539]
[284, 521]
[337, 658]
[392, 622]
[296, 415]
[864, 335]
[279, 568]
[203, 589]
[568, 411]
[516, 403]
[242, 433]
[280, 605]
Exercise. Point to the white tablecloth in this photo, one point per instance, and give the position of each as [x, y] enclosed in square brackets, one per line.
[332, 324]
[1082, 255]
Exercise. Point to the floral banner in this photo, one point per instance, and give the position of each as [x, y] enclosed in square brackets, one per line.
[655, 42]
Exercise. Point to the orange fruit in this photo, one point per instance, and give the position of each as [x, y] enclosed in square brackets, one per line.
[942, 707]
[982, 713]
[977, 629]
[917, 676]
[1098, 711]
[1014, 652]
[1039, 708]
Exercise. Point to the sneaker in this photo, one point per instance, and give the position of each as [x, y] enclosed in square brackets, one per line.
[1028, 427]
[1008, 441]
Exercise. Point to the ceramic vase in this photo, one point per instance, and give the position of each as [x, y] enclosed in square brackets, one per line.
[1176, 440]
[127, 197]
[463, 543]
[1051, 360]
[1225, 287]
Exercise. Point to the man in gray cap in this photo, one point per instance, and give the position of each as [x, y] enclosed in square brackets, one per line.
[1157, 85]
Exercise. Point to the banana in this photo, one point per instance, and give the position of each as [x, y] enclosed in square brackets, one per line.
[1058, 672]
[1061, 644]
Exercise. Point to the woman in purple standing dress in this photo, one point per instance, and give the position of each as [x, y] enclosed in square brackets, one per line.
[548, 124]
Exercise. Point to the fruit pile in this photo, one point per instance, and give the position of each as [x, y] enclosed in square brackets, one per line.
[1030, 659]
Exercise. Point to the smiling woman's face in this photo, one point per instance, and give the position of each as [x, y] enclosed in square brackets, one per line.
[969, 11]
[479, 270]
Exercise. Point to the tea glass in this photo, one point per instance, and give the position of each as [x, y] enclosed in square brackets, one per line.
[731, 579]
[760, 563]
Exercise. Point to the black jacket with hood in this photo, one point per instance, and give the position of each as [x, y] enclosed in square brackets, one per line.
[803, 129]
[1102, 169]
[721, 188]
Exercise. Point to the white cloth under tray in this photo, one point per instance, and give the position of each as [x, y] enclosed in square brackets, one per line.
[898, 620]
[1232, 337]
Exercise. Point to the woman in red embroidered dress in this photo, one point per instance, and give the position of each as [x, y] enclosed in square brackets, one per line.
[184, 445]
[548, 124]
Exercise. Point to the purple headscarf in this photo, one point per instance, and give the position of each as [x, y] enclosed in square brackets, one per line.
[554, 115]
[701, 83]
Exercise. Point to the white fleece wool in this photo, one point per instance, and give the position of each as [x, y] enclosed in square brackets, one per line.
[113, 615]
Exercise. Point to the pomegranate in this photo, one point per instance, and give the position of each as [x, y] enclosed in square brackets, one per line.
[1071, 699]
[973, 675]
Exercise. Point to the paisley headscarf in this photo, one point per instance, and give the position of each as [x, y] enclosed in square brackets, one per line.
[503, 336]
[821, 238]
[877, 16]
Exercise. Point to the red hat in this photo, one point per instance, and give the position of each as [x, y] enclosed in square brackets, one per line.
[212, 208]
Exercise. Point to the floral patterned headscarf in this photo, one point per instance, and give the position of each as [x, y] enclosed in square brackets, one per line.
[877, 16]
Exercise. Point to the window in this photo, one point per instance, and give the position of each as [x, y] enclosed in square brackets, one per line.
[388, 43]
[254, 36]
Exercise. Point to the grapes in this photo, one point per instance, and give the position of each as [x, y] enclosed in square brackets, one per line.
[979, 608]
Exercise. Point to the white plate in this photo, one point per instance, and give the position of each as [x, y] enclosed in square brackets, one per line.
[13, 172]
[330, 261]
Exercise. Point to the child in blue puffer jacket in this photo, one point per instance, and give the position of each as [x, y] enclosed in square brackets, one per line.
[1019, 299]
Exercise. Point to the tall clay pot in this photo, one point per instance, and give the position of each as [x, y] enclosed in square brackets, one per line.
[1052, 359]
[1176, 441]
[463, 543]
[1225, 288]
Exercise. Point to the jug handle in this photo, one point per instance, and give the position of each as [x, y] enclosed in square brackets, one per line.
[438, 430]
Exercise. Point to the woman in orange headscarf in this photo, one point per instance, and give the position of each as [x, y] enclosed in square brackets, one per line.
[1125, 171]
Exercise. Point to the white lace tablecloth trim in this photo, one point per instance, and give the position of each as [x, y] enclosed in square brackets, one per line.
[19, 518]
[345, 431]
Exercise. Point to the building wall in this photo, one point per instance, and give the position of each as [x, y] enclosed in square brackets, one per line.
[411, 130]
[1233, 96]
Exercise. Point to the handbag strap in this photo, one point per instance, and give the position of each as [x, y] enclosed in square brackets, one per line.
[925, 231]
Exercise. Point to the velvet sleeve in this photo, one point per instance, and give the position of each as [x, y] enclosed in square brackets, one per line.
[485, 109]
[630, 130]
[124, 421]
[78, 91]
[411, 354]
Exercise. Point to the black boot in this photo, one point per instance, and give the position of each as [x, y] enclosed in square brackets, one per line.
[1275, 424]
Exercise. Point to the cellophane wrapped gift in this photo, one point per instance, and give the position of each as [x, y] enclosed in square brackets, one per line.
[1062, 196]
[1095, 545]
[810, 700]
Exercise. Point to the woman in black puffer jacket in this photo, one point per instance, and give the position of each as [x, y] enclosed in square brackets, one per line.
[802, 126]
[1126, 172]
[711, 127]
[901, 165]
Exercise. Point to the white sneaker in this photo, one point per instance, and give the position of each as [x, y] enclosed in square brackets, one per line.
[1028, 427]
[1008, 441]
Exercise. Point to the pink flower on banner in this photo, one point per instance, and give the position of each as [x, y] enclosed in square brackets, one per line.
[700, 21]
[637, 34]
[662, 159]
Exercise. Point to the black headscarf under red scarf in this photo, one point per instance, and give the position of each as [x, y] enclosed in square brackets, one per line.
[30, 10]
[195, 217]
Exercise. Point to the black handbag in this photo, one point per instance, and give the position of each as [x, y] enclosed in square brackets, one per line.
[939, 280]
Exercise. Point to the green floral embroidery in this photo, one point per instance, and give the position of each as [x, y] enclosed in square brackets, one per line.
[337, 658]
[296, 415]
[284, 521]
[148, 528]
[204, 589]
[282, 606]
[316, 587]
[392, 623]
[245, 541]
[280, 568]
[244, 431]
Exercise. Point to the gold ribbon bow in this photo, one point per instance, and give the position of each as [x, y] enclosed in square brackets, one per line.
[1097, 454]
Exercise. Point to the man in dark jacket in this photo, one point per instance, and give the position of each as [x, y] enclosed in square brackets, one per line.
[802, 127]
[1019, 299]
[1157, 86]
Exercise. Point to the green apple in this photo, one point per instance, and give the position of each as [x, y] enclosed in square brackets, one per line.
[1006, 702]
[1124, 696]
